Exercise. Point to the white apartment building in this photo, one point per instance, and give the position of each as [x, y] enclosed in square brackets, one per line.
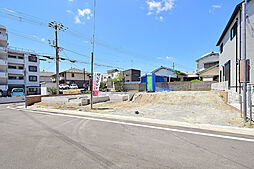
[18, 68]
[3, 60]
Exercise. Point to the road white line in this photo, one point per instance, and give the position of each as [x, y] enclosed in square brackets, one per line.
[147, 126]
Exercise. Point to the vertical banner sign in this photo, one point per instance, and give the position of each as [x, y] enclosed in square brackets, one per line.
[96, 83]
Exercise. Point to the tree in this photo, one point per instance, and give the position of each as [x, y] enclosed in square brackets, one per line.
[118, 80]
[177, 73]
[103, 86]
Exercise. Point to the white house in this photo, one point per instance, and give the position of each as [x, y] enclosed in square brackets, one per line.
[231, 53]
[208, 67]
[230, 44]
[111, 74]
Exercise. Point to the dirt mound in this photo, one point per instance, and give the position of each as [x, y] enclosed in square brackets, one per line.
[193, 98]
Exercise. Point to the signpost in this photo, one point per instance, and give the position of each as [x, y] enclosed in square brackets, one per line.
[96, 83]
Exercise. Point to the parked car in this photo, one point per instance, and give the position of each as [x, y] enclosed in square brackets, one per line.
[64, 86]
[73, 86]
[17, 92]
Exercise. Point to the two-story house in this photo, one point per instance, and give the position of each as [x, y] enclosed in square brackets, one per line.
[231, 48]
[73, 76]
[208, 67]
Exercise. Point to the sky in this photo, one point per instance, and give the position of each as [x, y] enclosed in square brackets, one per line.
[140, 34]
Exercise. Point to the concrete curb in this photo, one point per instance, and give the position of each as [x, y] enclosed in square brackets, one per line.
[218, 128]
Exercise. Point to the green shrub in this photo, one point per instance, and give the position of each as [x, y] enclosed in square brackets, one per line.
[51, 90]
[196, 80]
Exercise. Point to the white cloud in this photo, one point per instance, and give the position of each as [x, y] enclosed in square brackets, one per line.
[214, 7]
[160, 58]
[159, 6]
[169, 58]
[70, 12]
[77, 20]
[70, 0]
[161, 18]
[84, 12]
[43, 39]
[81, 13]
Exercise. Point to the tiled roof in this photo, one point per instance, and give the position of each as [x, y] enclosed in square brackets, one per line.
[47, 74]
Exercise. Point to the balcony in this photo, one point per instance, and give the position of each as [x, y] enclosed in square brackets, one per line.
[3, 62]
[16, 61]
[3, 75]
[16, 71]
[3, 87]
[20, 82]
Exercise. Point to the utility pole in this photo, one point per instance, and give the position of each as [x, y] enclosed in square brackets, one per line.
[91, 85]
[84, 78]
[173, 66]
[57, 27]
[92, 54]
[244, 63]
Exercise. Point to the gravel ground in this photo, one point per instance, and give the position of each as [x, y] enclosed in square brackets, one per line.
[193, 107]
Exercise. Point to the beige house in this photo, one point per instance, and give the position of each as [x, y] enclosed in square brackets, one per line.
[210, 74]
[73, 76]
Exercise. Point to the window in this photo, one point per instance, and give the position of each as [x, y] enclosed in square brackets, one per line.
[227, 70]
[233, 31]
[32, 89]
[11, 67]
[207, 65]
[72, 75]
[220, 76]
[33, 78]
[20, 57]
[11, 56]
[21, 78]
[221, 48]
[32, 68]
[32, 58]
[21, 67]
[12, 77]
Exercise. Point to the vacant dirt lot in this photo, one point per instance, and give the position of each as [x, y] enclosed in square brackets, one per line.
[194, 107]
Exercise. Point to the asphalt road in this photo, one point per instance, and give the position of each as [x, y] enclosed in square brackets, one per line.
[29, 140]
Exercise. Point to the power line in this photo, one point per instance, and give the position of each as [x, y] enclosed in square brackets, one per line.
[22, 17]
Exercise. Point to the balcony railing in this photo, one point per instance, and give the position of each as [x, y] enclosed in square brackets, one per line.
[17, 61]
[15, 81]
[15, 71]
[3, 62]
[3, 87]
[3, 75]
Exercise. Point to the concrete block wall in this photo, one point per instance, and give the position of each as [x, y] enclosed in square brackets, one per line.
[30, 100]
[222, 86]
[174, 86]
[133, 86]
